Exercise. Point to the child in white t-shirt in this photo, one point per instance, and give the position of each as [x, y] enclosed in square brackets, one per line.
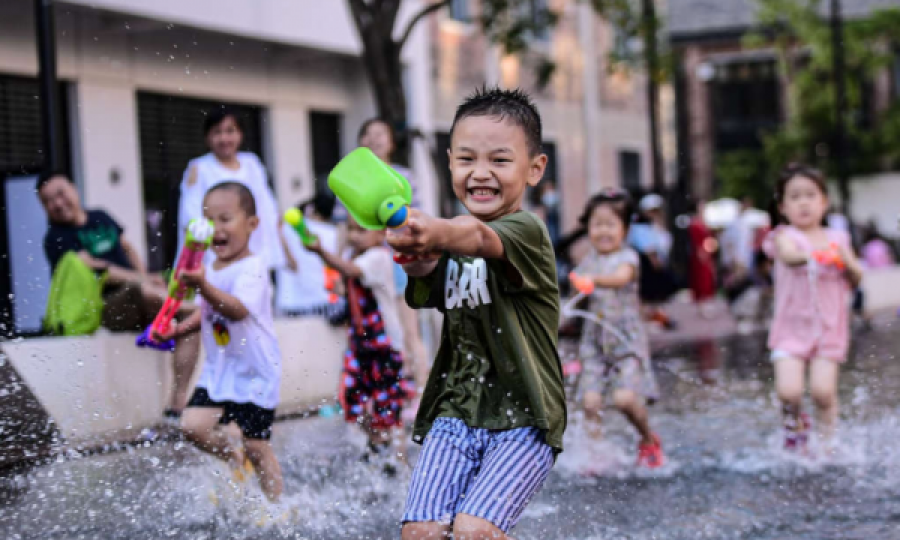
[242, 372]
[373, 364]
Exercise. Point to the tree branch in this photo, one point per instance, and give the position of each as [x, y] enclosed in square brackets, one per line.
[360, 11]
[390, 8]
[426, 11]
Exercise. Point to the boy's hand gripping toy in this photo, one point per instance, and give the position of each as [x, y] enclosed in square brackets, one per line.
[830, 256]
[294, 218]
[376, 196]
[199, 237]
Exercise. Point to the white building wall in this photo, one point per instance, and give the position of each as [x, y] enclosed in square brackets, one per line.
[110, 57]
[321, 24]
[876, 198]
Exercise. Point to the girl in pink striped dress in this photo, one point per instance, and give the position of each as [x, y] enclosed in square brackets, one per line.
[815, 272]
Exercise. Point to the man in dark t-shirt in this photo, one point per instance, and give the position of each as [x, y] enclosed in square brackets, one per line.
[97, 239]
[99, 236]
[131, 296]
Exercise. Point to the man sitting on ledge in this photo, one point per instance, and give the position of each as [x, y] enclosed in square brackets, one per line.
[131, 296]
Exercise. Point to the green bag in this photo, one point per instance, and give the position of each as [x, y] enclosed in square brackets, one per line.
[75, 302]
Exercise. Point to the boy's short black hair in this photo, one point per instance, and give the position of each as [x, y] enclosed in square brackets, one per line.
[45, 177]
[245, 196]
[512, 105]
[218, 115]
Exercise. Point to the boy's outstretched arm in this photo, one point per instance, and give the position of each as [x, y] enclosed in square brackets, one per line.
[464, 235]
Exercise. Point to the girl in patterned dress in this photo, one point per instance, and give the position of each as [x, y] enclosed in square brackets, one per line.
[616, 355]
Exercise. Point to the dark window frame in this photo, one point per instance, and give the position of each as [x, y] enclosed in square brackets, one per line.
[26, 161]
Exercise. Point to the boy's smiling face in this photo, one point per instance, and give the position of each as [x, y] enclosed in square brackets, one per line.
[491, 165]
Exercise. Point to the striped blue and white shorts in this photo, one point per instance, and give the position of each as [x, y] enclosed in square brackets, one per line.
[489, 474]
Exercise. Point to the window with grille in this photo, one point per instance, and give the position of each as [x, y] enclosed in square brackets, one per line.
[171, 134]
[746, 98]
[630, 170]
[21, 133]
[325, 138]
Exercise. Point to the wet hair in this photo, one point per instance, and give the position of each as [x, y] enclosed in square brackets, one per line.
[514, 106]
[218, 115]
[245, 196]
[789, 172]
[45, 177]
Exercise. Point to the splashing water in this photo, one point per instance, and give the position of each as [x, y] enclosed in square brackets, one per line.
[727, 476]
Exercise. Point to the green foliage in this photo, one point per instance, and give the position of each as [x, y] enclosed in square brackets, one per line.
[801, 33]
[516, 24]
[743, 173]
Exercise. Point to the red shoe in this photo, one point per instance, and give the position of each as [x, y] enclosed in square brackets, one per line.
[651, 455]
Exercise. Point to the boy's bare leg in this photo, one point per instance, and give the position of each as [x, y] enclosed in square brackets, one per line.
[201, 426]
[187, 348]
[426, 530]
[267, 467]
[187, 352]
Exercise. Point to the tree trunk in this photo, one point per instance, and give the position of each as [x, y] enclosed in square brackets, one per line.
[652, 55]
[384, 69]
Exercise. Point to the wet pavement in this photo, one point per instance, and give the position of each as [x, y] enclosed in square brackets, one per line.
[727, 477]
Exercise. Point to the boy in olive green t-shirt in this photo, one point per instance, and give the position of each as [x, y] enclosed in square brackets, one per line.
[493, 413]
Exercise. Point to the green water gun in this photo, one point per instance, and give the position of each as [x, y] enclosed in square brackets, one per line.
[294, 218]
[376, 196]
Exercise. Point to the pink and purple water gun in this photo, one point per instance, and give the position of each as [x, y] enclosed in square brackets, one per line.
[199, 237]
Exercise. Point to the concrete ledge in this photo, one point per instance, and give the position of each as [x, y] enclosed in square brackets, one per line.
[101, 387]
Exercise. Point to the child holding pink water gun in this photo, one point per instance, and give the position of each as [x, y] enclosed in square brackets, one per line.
[198, 237]
[815, 269]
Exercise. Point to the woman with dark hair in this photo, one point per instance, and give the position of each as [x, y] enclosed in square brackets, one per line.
[225, 162]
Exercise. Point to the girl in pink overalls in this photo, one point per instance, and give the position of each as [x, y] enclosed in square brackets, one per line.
[815, 272]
